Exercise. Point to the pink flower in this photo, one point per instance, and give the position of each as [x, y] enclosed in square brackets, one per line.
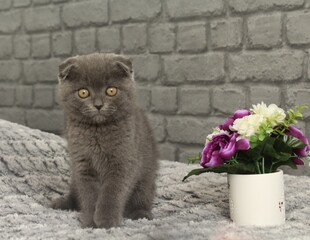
[222, 147]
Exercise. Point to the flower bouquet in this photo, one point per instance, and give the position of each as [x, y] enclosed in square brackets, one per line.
[250, 146]
[255, 141]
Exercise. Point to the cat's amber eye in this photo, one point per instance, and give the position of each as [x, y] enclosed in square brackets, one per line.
[111, 91]
[83, 93]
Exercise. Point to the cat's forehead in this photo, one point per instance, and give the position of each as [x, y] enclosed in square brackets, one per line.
[99, 71]
[97, 66]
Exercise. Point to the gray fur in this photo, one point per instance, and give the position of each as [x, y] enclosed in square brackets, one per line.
[113, 153]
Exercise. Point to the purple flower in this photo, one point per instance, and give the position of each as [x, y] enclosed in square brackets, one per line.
[241, 113]
[298, 161]
[222, 147]
[238, 114]
[300, 152]
[228, 122]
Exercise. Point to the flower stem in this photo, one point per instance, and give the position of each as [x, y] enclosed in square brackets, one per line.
[263, 159]
[257, 167]
[263, 165]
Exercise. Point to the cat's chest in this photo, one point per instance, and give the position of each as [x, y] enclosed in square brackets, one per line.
[97, 144]
[94, 143]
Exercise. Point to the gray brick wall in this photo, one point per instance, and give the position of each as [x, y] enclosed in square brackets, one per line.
[195, 61]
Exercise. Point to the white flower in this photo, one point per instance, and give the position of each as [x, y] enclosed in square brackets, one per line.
[272, 114]
[248, 125]
[259, 109]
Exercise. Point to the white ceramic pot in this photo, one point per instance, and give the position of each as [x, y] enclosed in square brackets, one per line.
[257, 199]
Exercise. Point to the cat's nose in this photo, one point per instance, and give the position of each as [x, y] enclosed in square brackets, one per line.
[98, 107]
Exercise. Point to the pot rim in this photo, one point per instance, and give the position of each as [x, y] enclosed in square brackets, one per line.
[279, 171]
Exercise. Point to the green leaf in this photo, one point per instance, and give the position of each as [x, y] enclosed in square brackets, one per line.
[253, 144]
[293, 142]
[240, 168]
[269, 151]
[294, 114]
[282, 157]
[281, 146]
[273, 149]
[254, 141]
[195, 172]
[261, 137]
[253, 138]
[289, 163]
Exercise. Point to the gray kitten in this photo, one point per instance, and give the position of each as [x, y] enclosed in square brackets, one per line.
[111, 145]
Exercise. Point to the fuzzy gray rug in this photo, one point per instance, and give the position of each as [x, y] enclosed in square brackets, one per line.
[34, 168]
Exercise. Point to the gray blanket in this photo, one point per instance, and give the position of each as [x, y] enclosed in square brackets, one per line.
[34, 168]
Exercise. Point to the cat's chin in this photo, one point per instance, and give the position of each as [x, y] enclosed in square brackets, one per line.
[93, 119]
[99, 118]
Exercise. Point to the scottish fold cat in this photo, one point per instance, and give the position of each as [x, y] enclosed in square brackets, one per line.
[110, 142]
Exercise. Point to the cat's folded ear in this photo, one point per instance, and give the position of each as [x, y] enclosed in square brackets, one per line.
[124, 64]
[67, 69]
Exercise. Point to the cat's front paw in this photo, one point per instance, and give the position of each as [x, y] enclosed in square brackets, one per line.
[87, 220]
[140, 213]
[107, 221]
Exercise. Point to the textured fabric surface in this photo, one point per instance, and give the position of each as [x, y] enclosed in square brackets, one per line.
[34, 168]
